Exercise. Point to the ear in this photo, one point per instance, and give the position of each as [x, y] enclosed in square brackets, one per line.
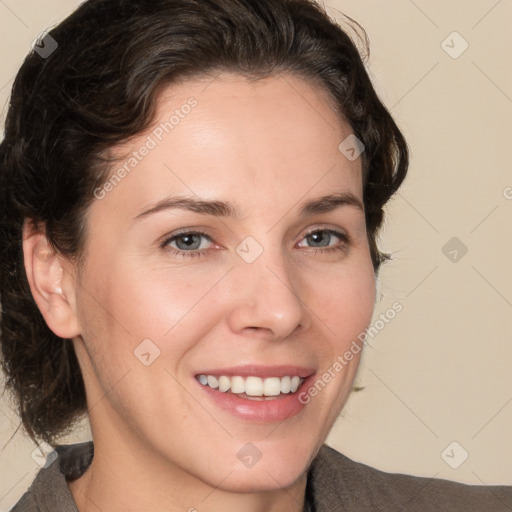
[52, 282]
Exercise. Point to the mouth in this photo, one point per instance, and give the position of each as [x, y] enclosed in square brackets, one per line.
[252, 387]
[257, 393]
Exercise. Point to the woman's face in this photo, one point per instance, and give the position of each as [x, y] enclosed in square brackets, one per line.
[233, 245]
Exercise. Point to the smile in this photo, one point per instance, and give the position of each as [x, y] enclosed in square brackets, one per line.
[252, 386]
[256, 393]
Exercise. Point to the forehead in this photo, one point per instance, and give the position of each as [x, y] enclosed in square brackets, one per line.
[229, 136]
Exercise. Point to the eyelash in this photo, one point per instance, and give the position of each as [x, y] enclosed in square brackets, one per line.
[185, 254]
[198, 253]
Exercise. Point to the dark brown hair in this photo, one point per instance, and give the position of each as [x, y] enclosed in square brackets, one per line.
[98, 88]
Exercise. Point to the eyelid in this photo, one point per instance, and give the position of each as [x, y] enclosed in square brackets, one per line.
[341, 234]
[184, 231]
[164, 241]
[334, 229]
[203, 231]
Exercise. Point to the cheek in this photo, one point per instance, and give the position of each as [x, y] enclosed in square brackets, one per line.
[137, 329]
[345, 301]
[126, 304]
[163, 302]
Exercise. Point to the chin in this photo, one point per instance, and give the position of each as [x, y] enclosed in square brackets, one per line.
[275, 470]
[264, 479]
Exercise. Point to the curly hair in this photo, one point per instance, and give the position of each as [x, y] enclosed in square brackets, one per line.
[99, 88]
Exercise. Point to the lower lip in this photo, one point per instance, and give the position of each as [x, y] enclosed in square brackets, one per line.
[280, 408]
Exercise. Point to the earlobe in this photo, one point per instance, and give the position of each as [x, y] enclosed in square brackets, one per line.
[52, 287]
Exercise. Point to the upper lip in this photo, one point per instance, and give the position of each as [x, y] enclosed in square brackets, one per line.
[260, 371]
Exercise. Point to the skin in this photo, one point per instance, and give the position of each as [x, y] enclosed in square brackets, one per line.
[267, 146]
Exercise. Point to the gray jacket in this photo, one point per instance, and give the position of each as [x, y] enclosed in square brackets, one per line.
[335, 483]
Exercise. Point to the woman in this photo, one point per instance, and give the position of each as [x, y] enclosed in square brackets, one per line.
[192, 192]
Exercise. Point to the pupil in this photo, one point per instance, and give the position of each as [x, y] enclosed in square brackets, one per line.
[320, 237]
[189, 241]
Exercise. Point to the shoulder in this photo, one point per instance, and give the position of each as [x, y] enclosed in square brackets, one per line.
[49, 490]
[339, 483]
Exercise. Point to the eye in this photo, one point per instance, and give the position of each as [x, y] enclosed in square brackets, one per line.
[188, 244]
[324, 239]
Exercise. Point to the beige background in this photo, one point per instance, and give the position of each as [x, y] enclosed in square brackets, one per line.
[440, 371]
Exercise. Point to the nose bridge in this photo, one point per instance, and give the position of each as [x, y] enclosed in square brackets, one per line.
[268, 291]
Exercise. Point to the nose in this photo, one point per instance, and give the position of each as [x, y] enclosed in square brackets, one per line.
[266, 301]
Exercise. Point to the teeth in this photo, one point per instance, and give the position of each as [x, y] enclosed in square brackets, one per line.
[252, 386]
[237, 385]
[212, 381]
[224, 383]
[272, 386]
[286, 384]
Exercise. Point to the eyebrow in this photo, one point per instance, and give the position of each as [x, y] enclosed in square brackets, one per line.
[331, 202]
[225, 209]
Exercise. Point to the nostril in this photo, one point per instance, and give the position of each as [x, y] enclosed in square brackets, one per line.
[259, 332]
